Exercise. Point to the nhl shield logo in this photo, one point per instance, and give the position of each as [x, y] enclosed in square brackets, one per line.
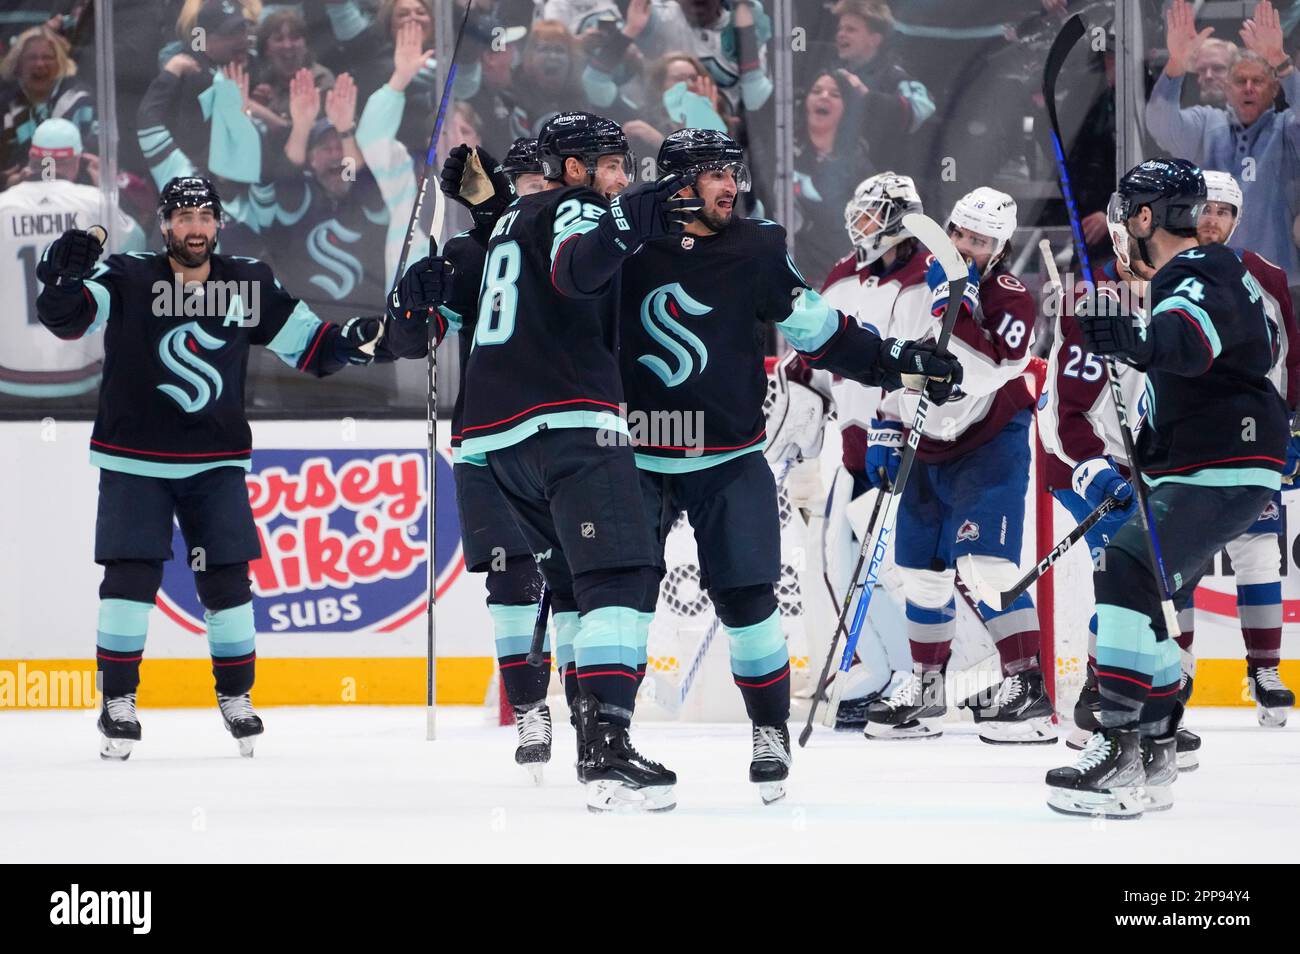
[688, 242]
[588, 530]
[969, 530]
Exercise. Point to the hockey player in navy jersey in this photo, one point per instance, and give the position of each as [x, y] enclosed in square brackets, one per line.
[171, 438]
[1212, 450]
[694, 311]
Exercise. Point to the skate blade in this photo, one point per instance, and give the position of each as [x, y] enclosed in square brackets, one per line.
[1272, 718]
[535, 771]
[1157, 798]
[771, 792]
[1187, 761]
[1036, 731]
[246, 746]
[1118, 804]
[608, 797]
[930, 728]
[115, 750]
[1077, 739]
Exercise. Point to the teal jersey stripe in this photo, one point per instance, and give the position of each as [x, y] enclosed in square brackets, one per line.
[1223, 477]
[689, 465]
[597, 420]
[810, 324]
[148, 468]
[103, 302]
[231, 632]
[297, 332]
[123, 617]
[581, 227]
[1201, 316]
[66, 389]
[1125, 639]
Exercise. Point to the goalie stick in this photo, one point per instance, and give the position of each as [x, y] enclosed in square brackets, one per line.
[1070, 34]
[933, 237]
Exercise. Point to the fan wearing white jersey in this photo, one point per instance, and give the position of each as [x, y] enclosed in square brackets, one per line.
[965, 502]
[33, 214]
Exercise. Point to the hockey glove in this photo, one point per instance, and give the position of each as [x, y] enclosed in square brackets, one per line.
[70, 258]
[646, 212]
[356, 341]
[1123, 337]
[884, 452]
[474, 179]
[921, 365]
[938, 282]
[1096, 479]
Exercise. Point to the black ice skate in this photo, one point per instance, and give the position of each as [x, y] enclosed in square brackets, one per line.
[1106, 781]
[852, 713]
[533, 726]
[1271, 695]
[1016, 712]
[914, 710]
[618, 778]
[119, 727]
[1085, 712]
[1160, 760]
[770, 764]
[1186, 742]
[241, 721]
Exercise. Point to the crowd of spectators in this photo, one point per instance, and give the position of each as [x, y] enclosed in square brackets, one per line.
[314, 117]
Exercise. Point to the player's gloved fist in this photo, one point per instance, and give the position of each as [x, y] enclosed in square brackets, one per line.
[1121, 336]
[940, 287]
[646, 212]
[474, 179]
[921, 366]
[884, 452]
[426, 285]
[357, 340]
[1097, 478]
[70, 258]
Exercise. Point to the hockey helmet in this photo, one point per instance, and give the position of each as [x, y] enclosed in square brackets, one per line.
[188, 192]
[583, 136]
[689, 152]
[987, 211]
[1222, 187]
[883, 198]
[1174, 191]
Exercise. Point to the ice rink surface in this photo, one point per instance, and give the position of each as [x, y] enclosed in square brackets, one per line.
[361, 784]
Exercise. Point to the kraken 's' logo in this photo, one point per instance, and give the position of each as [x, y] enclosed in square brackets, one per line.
[659, 315]
[325, 246]
[193, 370]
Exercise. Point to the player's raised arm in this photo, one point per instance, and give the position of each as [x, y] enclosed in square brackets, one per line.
[71, 303]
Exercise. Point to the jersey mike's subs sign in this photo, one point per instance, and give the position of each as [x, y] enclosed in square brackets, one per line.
[344, 537]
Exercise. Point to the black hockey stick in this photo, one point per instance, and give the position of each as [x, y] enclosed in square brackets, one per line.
[854, 585]
[539, 629]
[1070, 34]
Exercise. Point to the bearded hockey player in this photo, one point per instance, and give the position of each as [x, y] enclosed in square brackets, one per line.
[693, 314]
[171, 439]
[1212, 451]
[542, 397]
[965, 505]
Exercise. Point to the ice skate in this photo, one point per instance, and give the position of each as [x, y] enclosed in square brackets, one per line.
[1160, 761]
[769, 766]
[533, 726]
[241, 721]
[1085, 713]
[618, 778]
[1106, 781]
[913, 710]
[119, 727]
[1273, 699]
[1017, 712]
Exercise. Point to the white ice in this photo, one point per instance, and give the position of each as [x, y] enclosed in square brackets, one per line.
[362, 784]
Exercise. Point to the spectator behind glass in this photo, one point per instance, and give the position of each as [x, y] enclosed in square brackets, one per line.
[495, 102]
[830, 158]
[1248, 139]
[282, 50]
[37, 83]
[731, 43]
[549, 76]
[671, 78]
[1212, 63]
[184, 38]
[895, 104]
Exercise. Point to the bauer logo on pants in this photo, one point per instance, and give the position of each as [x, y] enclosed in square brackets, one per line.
[344, 542]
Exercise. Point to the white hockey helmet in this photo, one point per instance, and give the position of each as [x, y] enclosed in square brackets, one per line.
[1222, 187]
[988, 212]
[883, 198]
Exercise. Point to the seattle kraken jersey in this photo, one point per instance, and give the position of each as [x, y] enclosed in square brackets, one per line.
[540, 358]
[1213, 415]
[172, 399]
[693, 326]
[461, 311]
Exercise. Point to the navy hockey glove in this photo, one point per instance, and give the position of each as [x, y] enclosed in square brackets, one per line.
[884, 453]
[1096, 479]
[1123, 337]
[920, 364]
[413, 304]
[938, 282]
[357, 340]
[646, 212]
[477, 183]
[70, 258]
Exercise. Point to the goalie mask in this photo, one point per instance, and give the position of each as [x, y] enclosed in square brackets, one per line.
[990, 213]
[882, 201]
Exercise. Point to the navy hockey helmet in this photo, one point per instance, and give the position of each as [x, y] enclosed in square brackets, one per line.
[688, 152]
[583, 136]
[188, 192]
[522, 158]
[1174, 191]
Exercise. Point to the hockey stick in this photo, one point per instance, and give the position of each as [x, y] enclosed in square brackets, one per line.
[539, 629]
[435, 234]
[933, 237]
[854, 585]
[1070, 34]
